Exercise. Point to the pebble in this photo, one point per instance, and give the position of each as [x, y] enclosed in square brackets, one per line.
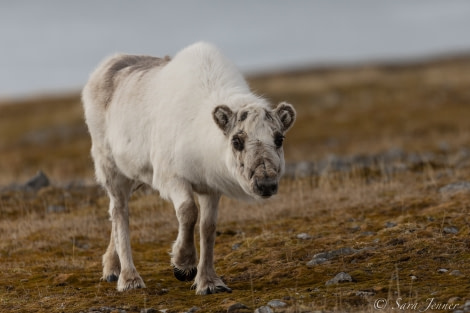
[316, 261]
[238, 308]
[455, 187]
[365, 293]
[442, 270]
[276, 303]
[236, 246]
[264, 309]
[390, 224]
[37, 182]
[149, 310]
[55, 209]
[304, 236]
[456, 273]
[339, 278]
[450, 230]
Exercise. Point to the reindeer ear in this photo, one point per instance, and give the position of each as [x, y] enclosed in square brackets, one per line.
[222, 116]
[286, 114]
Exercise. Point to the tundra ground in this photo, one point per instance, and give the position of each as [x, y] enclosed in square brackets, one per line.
[399, 225]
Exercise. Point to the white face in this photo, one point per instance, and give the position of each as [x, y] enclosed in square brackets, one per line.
[255, 136]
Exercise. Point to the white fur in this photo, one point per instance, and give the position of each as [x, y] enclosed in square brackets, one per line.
[158, 128]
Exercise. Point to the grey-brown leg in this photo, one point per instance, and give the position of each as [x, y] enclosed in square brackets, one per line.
[207, 281]
[119, 190]
[183, 255]
[111, 263]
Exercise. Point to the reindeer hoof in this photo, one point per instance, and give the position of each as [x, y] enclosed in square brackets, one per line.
[112, 278]
[185, 275]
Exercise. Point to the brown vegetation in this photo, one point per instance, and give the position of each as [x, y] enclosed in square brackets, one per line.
[401, 226]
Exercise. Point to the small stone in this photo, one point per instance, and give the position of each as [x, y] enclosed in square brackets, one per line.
[37, 182]
[413, 277]
[365, 293]
[193, 309]
[390, 224]
[454, 300]
[456, 273]
[304, 236]
[264, 309]
[276, 303]
[442, 270]
[455, 187]
[467, 304]
[450, 230]
[149, 310]
[55, 209]
[236, 246]
[316, 261]
[339, 278]
[238, 308]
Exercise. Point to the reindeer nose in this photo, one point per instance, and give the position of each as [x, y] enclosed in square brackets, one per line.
[266, 187]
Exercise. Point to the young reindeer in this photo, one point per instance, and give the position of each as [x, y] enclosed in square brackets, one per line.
[187, 126]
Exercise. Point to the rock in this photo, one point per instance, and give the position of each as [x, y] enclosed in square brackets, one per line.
[264, 309]
[442, 270]
[56, 209]
[455, 187]
[450, 230]
[304, 236]
[37, 182]
[238, 308]
[149, 310]
[456, 273]
[332, 254]
[316, 261]
[277, 304]
[365, 293]
[339, 278]
[236, 246]
[193, 309]
[390, 224]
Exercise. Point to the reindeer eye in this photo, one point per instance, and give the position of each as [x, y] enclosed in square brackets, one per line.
[237, 143]
[278, 140]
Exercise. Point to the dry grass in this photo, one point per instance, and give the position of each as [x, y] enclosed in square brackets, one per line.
[51, 261]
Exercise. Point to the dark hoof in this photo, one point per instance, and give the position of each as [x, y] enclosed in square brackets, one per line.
[185, 275]
[112, 278]
[209, 291]
[223, 289]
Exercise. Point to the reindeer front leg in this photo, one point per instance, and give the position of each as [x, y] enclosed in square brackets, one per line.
[207, 281]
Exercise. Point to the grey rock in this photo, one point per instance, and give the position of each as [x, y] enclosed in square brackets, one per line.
[304, 236]
[339, 278]
[55, 209]
[237, 308]
[365, 293]
[442, 270]
[236, 246]
[193, 309]
[277, 303]
[450, 230]
[149, 310]
[316, 261]
[390, 224]
[264, 309]
[37, 182]
[456, 273]
[323, 257]
[334, 253]
[455, 187]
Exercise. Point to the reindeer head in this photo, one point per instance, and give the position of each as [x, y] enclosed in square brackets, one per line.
[255, 137]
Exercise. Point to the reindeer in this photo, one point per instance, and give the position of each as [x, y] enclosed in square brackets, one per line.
[187, 126]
